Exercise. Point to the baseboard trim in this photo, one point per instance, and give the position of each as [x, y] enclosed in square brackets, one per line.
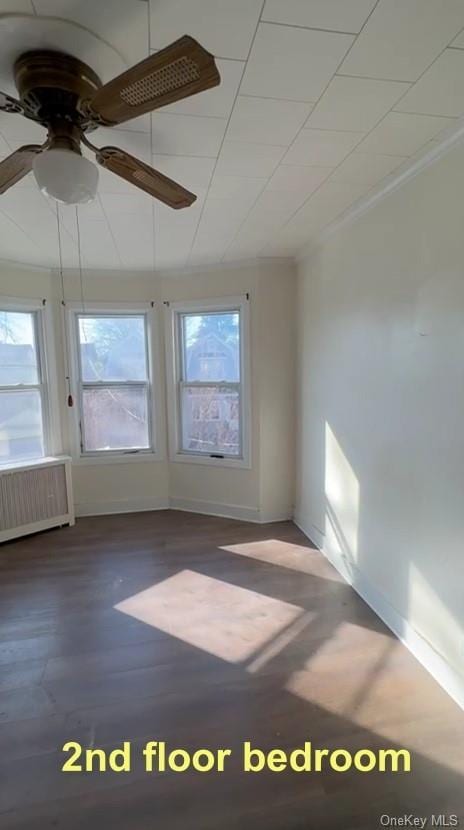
[108, 508]
[445, 675]
[209, 508]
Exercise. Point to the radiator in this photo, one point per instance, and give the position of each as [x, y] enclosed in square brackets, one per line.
[35, 496]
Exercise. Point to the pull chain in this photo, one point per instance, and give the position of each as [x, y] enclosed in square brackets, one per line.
[70, 400]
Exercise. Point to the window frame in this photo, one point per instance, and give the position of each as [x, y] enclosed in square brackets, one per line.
[43, 329]
[175, 380]
[114, 456]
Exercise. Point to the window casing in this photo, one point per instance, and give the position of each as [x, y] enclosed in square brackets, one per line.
[113, 382]
[208, 382]
[24, 404]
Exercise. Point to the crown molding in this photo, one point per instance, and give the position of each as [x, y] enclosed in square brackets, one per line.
[232, 265]
[384, 189]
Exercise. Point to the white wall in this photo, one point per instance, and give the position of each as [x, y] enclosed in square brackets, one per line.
[380, 478]
[265, 491]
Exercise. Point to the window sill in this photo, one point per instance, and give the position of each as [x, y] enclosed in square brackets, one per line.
[31, 463]
[116, 458]
[207, 461]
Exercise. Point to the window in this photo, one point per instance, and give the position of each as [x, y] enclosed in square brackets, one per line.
[22, 391]
[114, 387]
[209, 389]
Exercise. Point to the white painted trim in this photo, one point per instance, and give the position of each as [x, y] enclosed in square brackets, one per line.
[228, 511]
[46, 355]
[205, 508]
[209, 508]
[107, 508]
[35, 527]
[70, 312]
[172, 353]
[232, 265]
[445, 675]
[392, 183]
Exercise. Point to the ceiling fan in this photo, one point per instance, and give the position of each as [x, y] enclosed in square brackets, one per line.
[67, 97]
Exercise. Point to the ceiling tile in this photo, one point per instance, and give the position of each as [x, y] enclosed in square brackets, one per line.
[218, 225]
[402, 38]
[187, 135]
[236, 187]
[174, 233]
[366, 167]
[15, 6]
[458, 42]
[138, 144]
[193, 173]
[5, 149]
[273, 208]
[298, 179]
[401, 134]
[271, 211]
[266, 120]
[136, 202]
[110, 183]
[332, 199]
[241, 158]
[17, 130]
[218, 101]
[34, 215]
[292, 63]
[98, 248]
[16, 246]
[134, 239]
[122, 24]
[335, 15]
[226, 29]
[321, 148]
[355, 103]
[88, 215]
[440, 91]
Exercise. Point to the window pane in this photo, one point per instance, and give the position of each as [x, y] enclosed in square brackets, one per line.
[21, 433]
[115, 419]
[113, 348]
[18, 356]
[211, 346]
[210, 420]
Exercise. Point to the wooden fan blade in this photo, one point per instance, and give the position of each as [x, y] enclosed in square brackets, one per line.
[180, 70]
[9, 104]
[145, 177]
[18, 165]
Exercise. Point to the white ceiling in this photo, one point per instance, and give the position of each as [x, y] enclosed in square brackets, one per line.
[320, 102]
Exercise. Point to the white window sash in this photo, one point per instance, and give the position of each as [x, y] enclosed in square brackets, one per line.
[175, 356]
[80, 453]
[36, 308]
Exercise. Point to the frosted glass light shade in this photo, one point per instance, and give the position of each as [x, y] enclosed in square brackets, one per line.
[66, 176]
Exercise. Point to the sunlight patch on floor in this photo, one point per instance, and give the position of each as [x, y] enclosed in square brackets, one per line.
[286, 555]
[230, 622]
[363, 670]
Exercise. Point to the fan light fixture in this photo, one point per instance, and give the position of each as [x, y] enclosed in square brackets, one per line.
[66, 176]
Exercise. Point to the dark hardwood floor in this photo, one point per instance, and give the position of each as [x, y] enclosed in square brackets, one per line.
[205, 632]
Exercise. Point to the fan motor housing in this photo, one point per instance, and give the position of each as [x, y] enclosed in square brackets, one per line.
[53, 86]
